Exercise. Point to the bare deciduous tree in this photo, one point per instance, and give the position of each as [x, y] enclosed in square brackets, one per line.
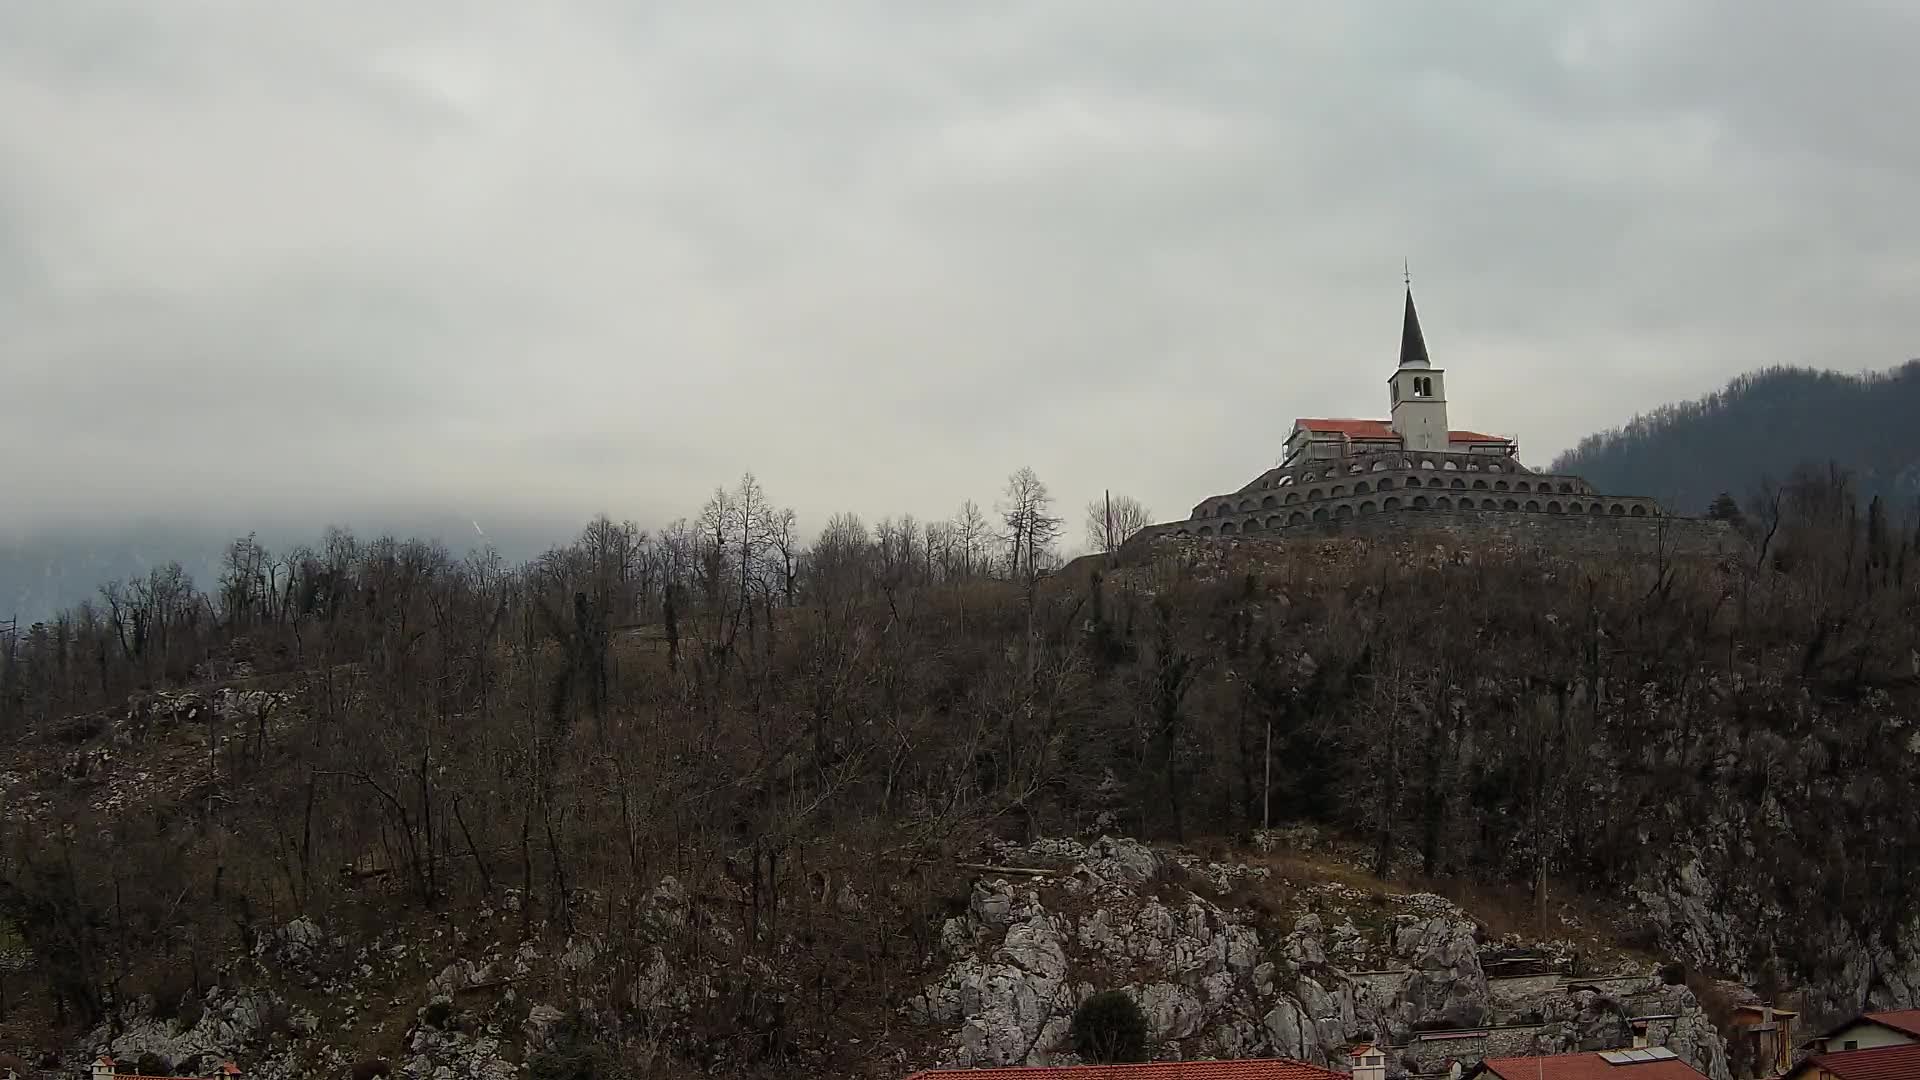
[1113, 519]
[971, 532]
[1031, 527]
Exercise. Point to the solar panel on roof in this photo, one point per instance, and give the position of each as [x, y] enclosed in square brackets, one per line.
[1638, 1056]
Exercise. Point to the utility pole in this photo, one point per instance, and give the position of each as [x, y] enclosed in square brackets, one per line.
[1540, 895]
[1266, 779]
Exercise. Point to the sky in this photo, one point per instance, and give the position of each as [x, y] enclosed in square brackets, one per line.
[263, 258]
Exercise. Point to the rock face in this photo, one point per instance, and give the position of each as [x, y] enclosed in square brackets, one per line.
[1013, 998]
[1447, 985]
[1710, 911]
[445, 1055]
[229, 1023]
[1213, 983]
[1222, 959]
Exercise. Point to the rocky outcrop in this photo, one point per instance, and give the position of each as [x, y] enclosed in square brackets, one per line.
[1214, 983]
[230, 1024]
[1446, 985]
[446, 1055]
[1708, 909]
[1219, 968]
[1007, 989]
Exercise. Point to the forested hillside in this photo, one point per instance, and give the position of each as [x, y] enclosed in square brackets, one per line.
[791, 745]
[1757, 430]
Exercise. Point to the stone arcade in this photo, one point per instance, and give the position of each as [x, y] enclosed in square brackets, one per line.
[1335, 470]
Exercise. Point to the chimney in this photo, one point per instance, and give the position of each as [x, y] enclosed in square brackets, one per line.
[103, 1068]
[1369, 1062]
[1640, 1035]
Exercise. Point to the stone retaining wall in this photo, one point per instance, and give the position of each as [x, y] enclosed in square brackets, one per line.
[1579, 534]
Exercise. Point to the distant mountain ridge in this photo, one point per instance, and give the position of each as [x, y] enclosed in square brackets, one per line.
[48, 570]
[1762, 425]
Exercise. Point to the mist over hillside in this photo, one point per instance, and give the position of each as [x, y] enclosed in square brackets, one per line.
[1759, 428]
[45, 570]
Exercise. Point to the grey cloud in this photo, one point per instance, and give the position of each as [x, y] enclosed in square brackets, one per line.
[282, 257]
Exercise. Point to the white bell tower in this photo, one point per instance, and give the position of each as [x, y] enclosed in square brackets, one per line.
[1418, 389]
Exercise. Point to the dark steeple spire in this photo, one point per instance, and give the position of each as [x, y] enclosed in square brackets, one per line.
[1413, 344]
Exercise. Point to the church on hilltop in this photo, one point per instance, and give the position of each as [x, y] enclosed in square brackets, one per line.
[1336, 470]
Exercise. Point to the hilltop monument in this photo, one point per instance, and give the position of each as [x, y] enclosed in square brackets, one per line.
[1336, 469]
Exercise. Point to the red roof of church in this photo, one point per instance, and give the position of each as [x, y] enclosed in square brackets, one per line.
[1382, 429]
[1260, 1069]
[1587, 1066]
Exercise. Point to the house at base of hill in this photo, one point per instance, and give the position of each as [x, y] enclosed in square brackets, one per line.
[1892, 1062]
[1868, 1031]
[105, 1068]
[1646, 1063]
[1251, 1069]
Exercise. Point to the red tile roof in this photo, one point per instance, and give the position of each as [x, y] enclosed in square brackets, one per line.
[1880, 1063]
[1589, 1066]
[1381, 429]
[1353, 429]
[1259, 1069]
[226, 1069]
[1907, 1020]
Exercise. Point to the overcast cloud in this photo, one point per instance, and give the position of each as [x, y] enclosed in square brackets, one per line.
[273, 257]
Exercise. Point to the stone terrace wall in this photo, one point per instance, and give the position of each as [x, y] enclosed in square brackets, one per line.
[1579, 534]
[1575, 534]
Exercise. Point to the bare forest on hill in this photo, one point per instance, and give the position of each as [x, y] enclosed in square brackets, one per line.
[774, 721]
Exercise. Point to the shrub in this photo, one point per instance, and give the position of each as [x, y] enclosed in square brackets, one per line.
[152, 1064]
[1109, 1028]
[437, 1013]
[369, 1068]
[574, 1060]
